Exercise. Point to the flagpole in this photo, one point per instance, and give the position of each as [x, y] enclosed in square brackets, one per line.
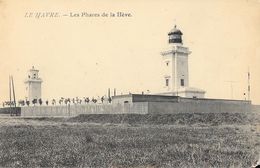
[248, 84]
[10, 96]
[13, 91]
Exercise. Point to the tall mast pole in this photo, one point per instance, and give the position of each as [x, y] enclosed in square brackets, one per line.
[248, 84]
[13, 91]
[108, 92]
[10, 92]
[114, 91]
[10, 96]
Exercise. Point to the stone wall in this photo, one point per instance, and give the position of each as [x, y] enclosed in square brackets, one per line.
[74, 110]
[255, 108]
[183, 105]
[199, 106]
[155, 98]
[10, 111]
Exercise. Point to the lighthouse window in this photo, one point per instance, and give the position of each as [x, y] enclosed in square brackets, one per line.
[182, 82]
[167, 62]
[166, 82]
[175, 36]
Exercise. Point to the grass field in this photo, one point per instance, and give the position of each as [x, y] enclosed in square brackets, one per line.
[180, 140]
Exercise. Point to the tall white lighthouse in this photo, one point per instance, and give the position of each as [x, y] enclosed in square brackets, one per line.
[176, 68]
[33, 84]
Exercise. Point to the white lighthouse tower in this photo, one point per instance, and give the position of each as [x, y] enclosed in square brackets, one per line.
[33, 84]
[176, 69]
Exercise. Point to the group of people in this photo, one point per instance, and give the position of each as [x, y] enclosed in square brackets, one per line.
[61, 101]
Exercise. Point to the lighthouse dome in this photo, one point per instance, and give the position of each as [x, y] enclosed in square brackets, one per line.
[175, 31]
[175, 35]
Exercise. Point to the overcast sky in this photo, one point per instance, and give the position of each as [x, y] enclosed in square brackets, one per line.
[84, 56]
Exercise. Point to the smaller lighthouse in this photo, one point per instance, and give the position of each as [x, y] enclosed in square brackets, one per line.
[33, 84]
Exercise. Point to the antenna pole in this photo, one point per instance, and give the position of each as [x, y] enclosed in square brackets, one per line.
[13, 91]
[231, 85]
[108, 92]
[174, 21]
[248, 84]
[10, 96]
